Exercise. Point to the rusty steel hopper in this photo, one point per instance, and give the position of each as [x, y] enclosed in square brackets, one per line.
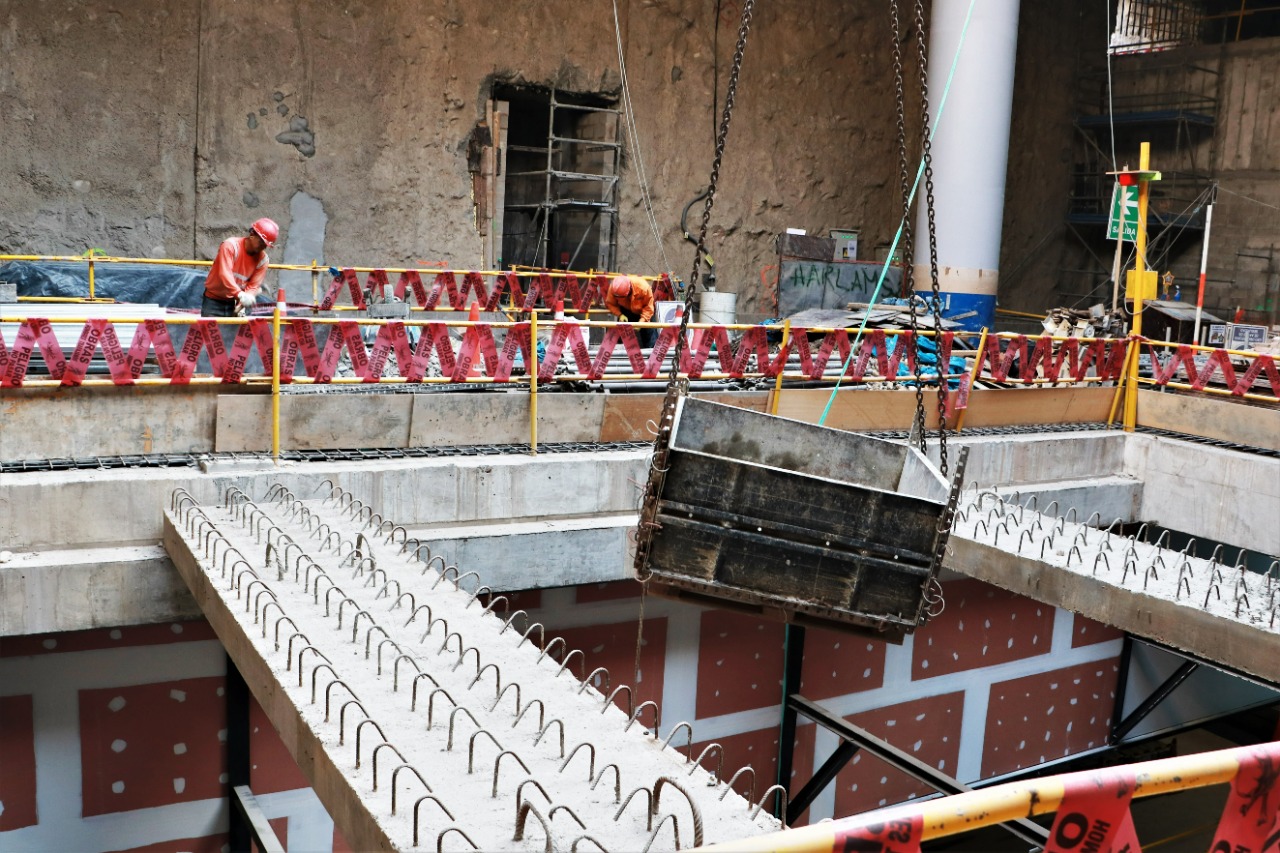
[793, 521]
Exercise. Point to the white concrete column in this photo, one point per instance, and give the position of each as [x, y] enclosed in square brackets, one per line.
[970, 153]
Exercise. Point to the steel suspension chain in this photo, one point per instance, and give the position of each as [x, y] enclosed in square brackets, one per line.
[700, 250]
[936, 302]
[908, 247]
[662, 443]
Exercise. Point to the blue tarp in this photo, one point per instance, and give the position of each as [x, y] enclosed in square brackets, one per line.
[172, 287]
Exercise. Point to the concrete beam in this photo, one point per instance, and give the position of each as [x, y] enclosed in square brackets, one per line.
[1208, 492]
[332, 785]
[411, 645]
[72, 590]
[1207, 610]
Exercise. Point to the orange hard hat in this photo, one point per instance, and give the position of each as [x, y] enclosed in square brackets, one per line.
[267, 230]
[621, 286]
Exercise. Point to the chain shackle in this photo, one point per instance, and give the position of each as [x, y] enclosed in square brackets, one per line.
[936, 301]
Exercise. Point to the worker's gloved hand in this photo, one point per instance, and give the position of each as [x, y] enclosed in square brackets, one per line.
[246, 299]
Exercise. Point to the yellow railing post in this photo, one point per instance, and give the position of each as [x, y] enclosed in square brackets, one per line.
[533, 381]
[91, 285]
[777, 386]
[973, 377]
[275, 374]
[1139, 266]
[315, 284]
[1123, 383]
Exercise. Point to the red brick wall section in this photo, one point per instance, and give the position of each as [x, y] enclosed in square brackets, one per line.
[614, 647]
[759, 749]
[1048, 715]
[17, 763]
[928, 729]
[982, 625]
[837, 664]
[206, 844]
[1086, 632]
[739, 663]
[106, 638]
[280, 826]
[152, 745]
[272, 768]
[610, 591]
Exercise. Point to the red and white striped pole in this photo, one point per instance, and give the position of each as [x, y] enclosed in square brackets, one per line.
[1204, 260]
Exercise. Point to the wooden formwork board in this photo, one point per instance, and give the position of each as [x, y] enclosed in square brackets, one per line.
[895, 410]
[1211, 417]
[626, 416]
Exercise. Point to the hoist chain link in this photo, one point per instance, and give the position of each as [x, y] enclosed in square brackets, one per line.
[936, 302]
[908, 260]
[723, 134]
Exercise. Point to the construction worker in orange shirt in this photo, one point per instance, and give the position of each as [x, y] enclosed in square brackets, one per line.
[630, 298]
[238, 271]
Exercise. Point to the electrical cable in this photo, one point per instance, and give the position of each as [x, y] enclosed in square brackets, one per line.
[1248, 198]
[634, 134]
[893, 247]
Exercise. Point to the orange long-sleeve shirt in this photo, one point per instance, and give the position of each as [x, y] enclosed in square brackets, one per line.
[638, 302]
[235, 270]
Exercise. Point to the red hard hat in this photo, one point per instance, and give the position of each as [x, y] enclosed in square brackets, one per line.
[267, 230]
[621, 286]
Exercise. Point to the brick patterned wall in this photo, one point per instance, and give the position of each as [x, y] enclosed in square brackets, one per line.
[125, 726]
[114, 740]
[954, 695]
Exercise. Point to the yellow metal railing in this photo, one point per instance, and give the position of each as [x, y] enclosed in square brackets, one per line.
[91, 260]
[959, 813]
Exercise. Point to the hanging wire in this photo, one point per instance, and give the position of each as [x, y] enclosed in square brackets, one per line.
[1248, 198]
[893, 247]
[629, 121]
[1111, 112]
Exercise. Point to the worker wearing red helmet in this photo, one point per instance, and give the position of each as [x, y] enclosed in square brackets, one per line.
[238, 271]
[630, 297]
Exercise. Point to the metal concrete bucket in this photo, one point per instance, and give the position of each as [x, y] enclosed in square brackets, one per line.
[795, 522]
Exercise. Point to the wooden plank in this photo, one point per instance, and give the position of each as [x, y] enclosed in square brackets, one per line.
[1017, 407]
[626, 415]
[1210, 417]
[855, 409]
[895, 410]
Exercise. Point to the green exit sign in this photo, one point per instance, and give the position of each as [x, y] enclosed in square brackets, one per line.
[1124, 209]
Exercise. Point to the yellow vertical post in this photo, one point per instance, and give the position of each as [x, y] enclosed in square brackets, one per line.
[777, 386]
[90, 273]
[1122, 383]
[1139, 266]
[275, 374]
[973, 377]
[533, 381]
[315, 284]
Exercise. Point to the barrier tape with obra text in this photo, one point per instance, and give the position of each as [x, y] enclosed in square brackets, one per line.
[1050, 360]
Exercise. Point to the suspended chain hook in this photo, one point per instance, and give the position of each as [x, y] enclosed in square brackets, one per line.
[925, 132]
[908, 242]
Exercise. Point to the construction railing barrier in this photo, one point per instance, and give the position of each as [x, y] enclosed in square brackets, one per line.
[449, 290]
[579, 292]
[498, 352]
[1092, 809]
[1235, 373]
[425, 351]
